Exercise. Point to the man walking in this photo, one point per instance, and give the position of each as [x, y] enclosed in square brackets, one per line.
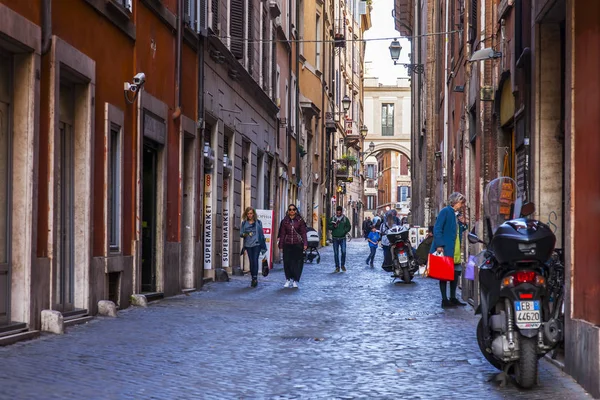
[366, 227]
[339, 225]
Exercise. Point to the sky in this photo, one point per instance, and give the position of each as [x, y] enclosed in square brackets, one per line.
[378, 62]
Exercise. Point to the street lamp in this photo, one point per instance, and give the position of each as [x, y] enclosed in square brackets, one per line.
[364, 131]
[395, 49]
[371, 147]
[346, 103]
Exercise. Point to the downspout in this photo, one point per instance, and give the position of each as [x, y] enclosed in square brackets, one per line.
[46, 26]
[446, 105]
[177, 113]
[289, 99]
[297, 105]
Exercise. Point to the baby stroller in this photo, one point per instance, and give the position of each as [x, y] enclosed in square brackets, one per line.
[312, 251]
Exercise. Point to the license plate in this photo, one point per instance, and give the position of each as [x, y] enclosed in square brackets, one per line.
[402, 257]
[528, 314]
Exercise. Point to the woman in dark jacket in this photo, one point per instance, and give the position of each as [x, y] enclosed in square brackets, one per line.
[292, 239]
[447, 236]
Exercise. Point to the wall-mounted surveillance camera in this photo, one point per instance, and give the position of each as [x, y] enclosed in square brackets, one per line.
[130, 88]
[139, 79]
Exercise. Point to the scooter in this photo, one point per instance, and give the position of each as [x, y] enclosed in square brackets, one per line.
[404, 265]
[516, 327]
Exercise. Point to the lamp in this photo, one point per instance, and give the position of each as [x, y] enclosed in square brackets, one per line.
[346, 103]
[485, 54]
[395, 49]
[364, 131]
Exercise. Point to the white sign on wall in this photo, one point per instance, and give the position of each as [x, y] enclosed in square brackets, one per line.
[226, 224]
[208, 221]
[266, 217]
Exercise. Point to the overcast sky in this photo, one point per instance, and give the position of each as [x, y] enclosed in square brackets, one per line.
[377, 55]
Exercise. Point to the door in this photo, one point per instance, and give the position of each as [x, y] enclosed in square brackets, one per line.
[65, 266]
[149, 193]
[5, 173]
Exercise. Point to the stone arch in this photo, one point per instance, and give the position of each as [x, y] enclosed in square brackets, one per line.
[383, 146]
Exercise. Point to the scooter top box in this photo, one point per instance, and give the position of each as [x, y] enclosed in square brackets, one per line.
[523, 240]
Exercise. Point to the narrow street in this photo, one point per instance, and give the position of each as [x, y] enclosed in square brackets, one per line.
[344, 336]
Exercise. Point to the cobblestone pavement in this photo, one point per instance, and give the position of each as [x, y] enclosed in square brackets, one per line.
[339, 336]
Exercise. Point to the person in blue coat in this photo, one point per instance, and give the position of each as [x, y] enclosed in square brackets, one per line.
[447, 237]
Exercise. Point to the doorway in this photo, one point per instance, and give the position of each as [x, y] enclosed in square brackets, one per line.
[188, 228]
[149, 193]
[5, 187]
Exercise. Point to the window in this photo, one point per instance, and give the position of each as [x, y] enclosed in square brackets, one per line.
[387, 120]
[371, 171]
[318, 45]
[236, 28]
[214, 16]
[370, 202]
[189, 13]
[114, 188]
[403, 193]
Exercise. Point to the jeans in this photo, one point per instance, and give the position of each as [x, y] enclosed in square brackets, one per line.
[453, 285]
[387, 256]
[337, 243]
[371, 257]
[253, 253]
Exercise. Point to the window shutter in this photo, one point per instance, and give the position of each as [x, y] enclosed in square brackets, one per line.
[274, 64]
[265, 50]
[250, 37]
[237, 28]
[202, 16]
[214, 8]
[473, 27]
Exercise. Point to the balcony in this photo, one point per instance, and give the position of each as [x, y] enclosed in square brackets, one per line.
[342, 173]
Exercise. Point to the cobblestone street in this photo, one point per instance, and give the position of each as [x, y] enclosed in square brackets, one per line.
[339, 336]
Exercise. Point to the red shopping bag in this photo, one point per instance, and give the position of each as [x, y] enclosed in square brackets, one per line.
[441, 267]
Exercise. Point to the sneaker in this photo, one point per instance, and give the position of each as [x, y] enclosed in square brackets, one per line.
[446, 304]
[288, 283]
[456, 302]
[337, 269]
[254, 282]
[294, 284]
[344, 269]
[367, 261]
[371, 265]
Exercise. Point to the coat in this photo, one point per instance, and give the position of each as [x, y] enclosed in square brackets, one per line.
[262, 242]
[340, 230]
[444, 231]
[289, 229]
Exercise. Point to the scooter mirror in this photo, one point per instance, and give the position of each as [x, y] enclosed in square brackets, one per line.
[473, 239]
[528, 209]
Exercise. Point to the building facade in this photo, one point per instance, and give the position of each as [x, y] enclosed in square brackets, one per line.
[388, 147]
[513, 97]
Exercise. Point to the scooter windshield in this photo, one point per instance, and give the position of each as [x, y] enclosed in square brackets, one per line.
[501, 201]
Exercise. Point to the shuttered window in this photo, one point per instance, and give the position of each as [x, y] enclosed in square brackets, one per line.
[251, 37]
[265, 50]
[214, 10]
[237, 28]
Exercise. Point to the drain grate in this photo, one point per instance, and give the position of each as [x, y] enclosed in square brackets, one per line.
[302, 339]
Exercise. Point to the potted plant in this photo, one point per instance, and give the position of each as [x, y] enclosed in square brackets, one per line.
[301, 150]
[350, 158]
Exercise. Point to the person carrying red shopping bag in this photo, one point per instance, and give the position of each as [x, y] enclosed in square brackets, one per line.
[447, 236]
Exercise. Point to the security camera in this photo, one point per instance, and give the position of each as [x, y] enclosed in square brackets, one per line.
[139, 79]
[133, 88]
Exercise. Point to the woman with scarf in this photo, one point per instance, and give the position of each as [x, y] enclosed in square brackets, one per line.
[292, 240]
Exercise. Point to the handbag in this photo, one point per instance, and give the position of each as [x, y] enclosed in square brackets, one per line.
[265, 267]
[470, 269]
[441, 267]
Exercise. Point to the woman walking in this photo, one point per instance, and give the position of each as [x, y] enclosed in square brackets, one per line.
[254, 241]
[447, 236]
[292, 240]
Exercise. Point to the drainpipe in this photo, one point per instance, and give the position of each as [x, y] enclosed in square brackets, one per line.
[446, 105]
[297, 94]
[177, 113]
[46, 26]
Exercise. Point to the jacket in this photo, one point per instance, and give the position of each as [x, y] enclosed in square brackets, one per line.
[289, 229]
[444, 231]
[341, 229]
[262, 242]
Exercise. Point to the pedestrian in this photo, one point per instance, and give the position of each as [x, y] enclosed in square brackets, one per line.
[389, 221]
[366, 227]
[423, 249]
[339, 225]
[377, 221]
[447, 237]
[292, 240]
[254, 241]
[373, 238]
